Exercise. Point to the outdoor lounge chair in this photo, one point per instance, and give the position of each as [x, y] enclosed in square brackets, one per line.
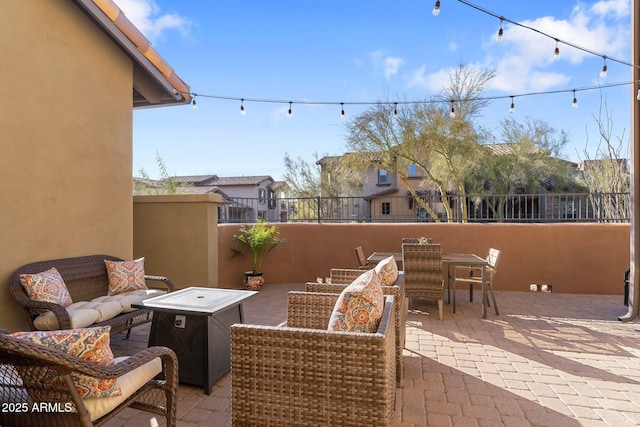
[22, 364]
[423, 272]
[304, 375]
[363, 264]
[342, 277]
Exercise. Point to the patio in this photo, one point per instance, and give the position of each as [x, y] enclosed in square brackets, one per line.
[549, 359]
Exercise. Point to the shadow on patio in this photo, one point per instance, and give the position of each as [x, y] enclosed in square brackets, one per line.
[546, 360]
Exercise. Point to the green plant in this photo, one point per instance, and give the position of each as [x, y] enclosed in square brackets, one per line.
[260, 239]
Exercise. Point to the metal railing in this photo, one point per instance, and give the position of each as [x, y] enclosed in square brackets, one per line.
[566, 207]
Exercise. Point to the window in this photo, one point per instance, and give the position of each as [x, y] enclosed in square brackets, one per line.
[413, 170]
[382, 176]
[261, 195]
[386, 208]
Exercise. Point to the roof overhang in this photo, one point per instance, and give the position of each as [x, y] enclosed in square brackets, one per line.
[154, 82]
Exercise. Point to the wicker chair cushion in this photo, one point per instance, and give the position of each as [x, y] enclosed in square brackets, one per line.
[387, 269]
[125, 299]
[82, 314]
[46, 286]
[125, 276]
[91, 344]
[359, 306]
[129, 383]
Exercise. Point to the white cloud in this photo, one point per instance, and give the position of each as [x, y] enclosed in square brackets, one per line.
[453, 46]
[388, 64]
[617, 8]
[434, 82]
[147, 17]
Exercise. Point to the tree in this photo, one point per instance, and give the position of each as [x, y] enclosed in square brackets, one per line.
[441, 144]
[166, 185]
[530, 154]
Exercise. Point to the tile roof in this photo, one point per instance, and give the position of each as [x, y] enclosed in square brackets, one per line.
[168, 87]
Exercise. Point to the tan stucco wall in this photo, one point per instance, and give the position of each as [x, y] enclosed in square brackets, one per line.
[572, 258]
[65, 139]
[178, 236]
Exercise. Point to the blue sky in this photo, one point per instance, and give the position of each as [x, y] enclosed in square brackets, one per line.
[363, 51]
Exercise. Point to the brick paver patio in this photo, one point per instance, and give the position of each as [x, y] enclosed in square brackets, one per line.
[546, 360]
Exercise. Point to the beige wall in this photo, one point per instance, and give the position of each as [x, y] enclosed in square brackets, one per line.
[178, 236]
[65, 139]
[572, 258]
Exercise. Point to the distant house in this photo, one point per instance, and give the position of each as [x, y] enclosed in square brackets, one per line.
[244, 198]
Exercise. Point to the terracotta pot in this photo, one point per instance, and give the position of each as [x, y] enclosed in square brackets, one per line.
[253, 280]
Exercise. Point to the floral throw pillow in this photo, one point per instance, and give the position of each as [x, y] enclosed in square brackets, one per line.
[387, 269]
[125, 276]
[47, 286]
[91, 344]
[359, 306]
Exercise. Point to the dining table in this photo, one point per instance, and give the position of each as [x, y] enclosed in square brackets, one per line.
[466, 260]
[376, 257]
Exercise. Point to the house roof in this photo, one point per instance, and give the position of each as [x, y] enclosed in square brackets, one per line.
[154, 81]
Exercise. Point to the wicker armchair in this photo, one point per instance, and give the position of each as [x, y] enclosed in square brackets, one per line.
[342, 277]
[304, 375]
[423, 272]
[66, 408]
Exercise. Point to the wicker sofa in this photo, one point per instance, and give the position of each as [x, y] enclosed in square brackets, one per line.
[304, 375]
[64, 407]
[86, 279]
[342, 277]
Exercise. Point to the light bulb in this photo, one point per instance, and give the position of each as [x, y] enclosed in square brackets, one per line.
[395, 107]
[342, 112]
[603, 73]
[289, 112]
[638, 95]
[512, 108]
[242, 110]
[500, 32]
[556, 52]
[574, 103]
[194, 104]
[436, 8]
[452, 114]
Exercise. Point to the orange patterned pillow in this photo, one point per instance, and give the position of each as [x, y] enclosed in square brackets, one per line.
[387, 269]
[90, 344]
[359, 306]
[125, 276]
[47, 286]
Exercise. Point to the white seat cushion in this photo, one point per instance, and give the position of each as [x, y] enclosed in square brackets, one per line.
[127, 298]
[81, 313]
[129, 383]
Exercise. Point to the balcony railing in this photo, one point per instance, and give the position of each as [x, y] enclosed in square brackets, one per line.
[566, 207]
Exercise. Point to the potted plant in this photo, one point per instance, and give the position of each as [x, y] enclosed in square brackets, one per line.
[259, 239]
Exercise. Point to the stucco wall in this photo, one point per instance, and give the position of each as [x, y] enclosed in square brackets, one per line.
[65, 139]
[178, 236]
[572, 258]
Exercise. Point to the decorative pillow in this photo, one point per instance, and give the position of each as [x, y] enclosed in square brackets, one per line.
[387, 269]
[47, 286]
[359, 306]
[91, 344]
[125, 276]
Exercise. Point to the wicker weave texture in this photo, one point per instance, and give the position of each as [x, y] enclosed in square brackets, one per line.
[423, 270]
[341, 277]
[157, 396]
[86, 278]
[297, 376]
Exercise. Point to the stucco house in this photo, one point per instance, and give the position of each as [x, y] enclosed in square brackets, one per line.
[72, 72]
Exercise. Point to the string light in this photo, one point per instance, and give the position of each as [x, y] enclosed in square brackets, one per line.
[574, 103]
[500, 31]
[603, 73]
[556, 52]
[342, 112]
[289, 112]
[436, 8]
[512, 108]
[638, 95]
[395, 107]
[194, 104]
[452, 114]
[242, 110]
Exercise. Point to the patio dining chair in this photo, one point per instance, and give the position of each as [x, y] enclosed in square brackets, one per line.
[473, 276]
[363, 264]
[423, 272]
[38, 376]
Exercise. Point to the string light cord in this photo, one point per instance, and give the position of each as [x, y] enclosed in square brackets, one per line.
[436, 100]
[554, 38]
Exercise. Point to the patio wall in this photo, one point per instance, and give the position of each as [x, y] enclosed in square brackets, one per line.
[572, 258]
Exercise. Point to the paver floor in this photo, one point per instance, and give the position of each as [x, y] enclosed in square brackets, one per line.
[548, 359]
